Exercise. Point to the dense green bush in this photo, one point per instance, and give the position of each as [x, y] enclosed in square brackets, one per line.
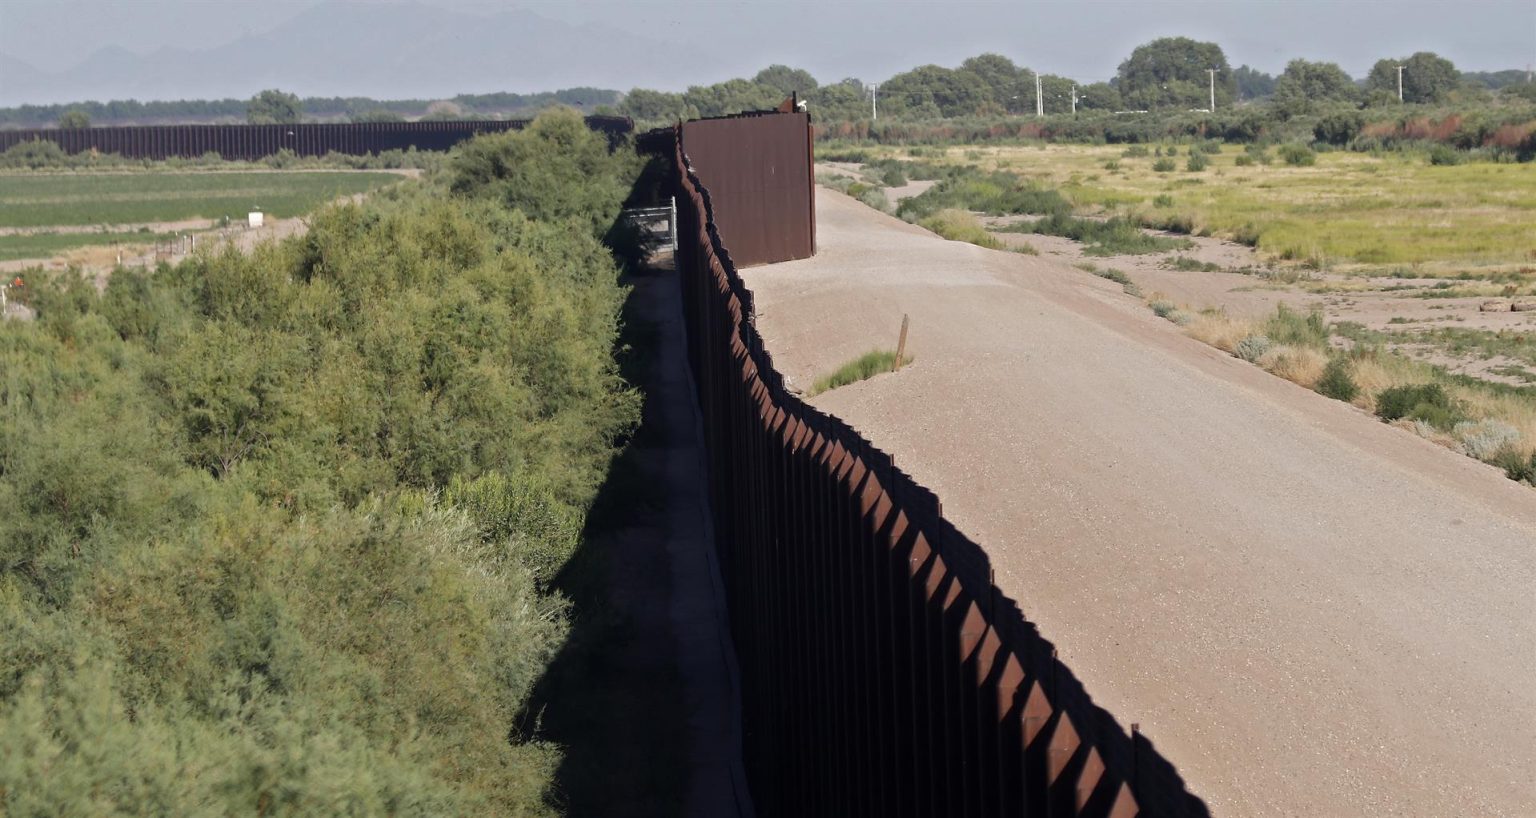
[277, 526]
[1297, 155]
[1427, 402]
[1163, 166]
[1337, 382]
[1197, 162]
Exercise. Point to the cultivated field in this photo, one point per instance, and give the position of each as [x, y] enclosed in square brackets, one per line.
[97, 220]
[70, 199]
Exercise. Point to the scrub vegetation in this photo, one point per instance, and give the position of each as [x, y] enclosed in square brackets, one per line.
[281, 530]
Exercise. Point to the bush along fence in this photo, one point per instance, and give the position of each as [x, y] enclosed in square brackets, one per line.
[882, 671]
[251, 142]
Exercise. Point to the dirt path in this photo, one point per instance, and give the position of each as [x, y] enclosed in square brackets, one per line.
[1309, 612]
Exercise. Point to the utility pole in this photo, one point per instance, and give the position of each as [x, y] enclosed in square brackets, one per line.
[1212, 72]
[1074, 99]
[1039, 99]
[874, 112]
[1400, 83]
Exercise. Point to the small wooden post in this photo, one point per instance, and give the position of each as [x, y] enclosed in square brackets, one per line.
[901, 345]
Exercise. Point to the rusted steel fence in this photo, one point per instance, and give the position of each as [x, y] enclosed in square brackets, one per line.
[257, 141]
[763, 182]
[882, 672]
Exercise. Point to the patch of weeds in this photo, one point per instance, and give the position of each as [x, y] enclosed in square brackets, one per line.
[958, 225]
[1516, 466]
[864, 367]
[1293, 328]
[1112, 237]
[1163, 166]
[1162, 200]
[1163, 308]
[1134, 151]
[1185, 264]
[1197, 162]
[1485, 439]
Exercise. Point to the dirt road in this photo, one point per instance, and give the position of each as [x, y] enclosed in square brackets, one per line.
[1309, 612]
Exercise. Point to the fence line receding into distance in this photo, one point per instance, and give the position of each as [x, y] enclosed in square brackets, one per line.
[248, 142]
[882, 671]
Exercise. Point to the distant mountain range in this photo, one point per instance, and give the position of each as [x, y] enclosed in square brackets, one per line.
[379, 50]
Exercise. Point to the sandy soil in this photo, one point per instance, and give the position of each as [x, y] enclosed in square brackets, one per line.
[1308, 611]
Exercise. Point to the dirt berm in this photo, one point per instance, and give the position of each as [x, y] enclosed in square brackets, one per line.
[1309, 612]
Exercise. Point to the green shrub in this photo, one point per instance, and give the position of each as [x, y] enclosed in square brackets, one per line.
[1337, 383]
[1427, 402]
[1111, 237]
[1163, 166]
[893, 177]
[1243, 161]
[1162, 200]
[1163, 309]
[1516, 466]
[1197, 162]
[1135, 151]
[1445, 155]
[1297, 155]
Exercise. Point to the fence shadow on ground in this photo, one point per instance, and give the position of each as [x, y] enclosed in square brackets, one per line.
[883, 672]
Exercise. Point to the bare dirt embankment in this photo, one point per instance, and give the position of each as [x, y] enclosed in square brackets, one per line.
[1309, 612]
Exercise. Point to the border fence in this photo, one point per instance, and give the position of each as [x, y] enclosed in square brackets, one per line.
[883, 673]
[249, 142]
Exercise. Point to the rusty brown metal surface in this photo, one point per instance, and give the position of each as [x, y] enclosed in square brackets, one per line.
[258, 141]
[759, 171]
[883, 673]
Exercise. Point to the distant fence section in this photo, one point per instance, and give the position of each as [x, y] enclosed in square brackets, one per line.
[259, 141]
[761, 178]
[882, 671]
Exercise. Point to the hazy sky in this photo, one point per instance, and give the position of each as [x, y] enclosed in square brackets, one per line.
[870, 40]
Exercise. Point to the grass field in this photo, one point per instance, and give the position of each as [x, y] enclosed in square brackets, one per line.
[47, 245]
[1355, 212]
[45, 200]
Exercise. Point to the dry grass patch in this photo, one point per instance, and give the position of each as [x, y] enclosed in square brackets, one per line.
[1219, 330]
[1299, 365]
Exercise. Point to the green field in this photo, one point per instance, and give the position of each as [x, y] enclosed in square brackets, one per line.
[45, 200]
[48, 245]
[1372, 213]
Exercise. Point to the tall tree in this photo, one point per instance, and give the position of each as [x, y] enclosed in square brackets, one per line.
[1099, 96]
[786, 80]
[1305, 85]
[931, 91]
[1000, 76]
[1427, 77]
[74, 120]
[1253, 83]
[272, 107]
[656, 106]
[1171, 73]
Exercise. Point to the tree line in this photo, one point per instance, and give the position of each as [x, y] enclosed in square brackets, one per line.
[1170, 74]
